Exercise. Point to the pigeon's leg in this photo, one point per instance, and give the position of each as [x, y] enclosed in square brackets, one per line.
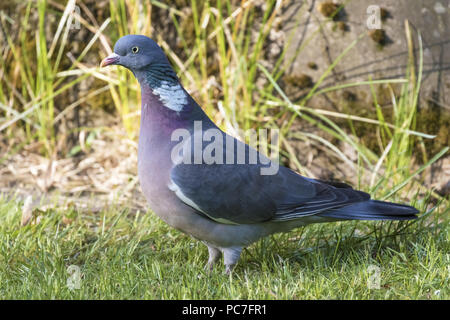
[214, 255]
[231, 257]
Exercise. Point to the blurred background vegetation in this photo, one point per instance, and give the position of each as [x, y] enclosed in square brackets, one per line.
[70, 127]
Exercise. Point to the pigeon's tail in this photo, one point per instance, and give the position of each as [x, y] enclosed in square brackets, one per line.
[372, 210]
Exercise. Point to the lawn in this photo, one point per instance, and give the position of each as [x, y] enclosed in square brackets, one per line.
[116, 254]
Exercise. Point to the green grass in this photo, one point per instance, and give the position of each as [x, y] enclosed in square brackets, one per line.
[132, 256]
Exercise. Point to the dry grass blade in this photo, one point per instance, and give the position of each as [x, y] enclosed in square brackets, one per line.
[27, 211]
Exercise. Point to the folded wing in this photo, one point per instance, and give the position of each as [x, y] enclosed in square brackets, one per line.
[240, 194]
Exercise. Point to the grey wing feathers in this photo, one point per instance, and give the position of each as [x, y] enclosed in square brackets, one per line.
[225, 193]
[240, 194]
[328, 196]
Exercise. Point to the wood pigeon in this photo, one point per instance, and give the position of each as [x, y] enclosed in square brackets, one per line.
[206, 183]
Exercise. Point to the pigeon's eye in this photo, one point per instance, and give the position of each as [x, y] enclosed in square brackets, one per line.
[135, 49]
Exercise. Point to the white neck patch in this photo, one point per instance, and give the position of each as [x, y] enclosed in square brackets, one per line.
[172, 96]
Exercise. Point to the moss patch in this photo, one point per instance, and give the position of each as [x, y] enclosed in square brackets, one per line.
[300, 81]
[312, 65]
[327, 9]
[378, 36]
[433, 119]
[384, 14]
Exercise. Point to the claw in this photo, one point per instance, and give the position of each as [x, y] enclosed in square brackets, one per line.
[214, 256]
[229, 268]
[209, 267]
[231, 257]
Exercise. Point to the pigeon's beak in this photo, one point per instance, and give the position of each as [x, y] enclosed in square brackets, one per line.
[109, 60]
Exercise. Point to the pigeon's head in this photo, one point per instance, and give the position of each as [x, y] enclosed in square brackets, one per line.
[136, 53]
